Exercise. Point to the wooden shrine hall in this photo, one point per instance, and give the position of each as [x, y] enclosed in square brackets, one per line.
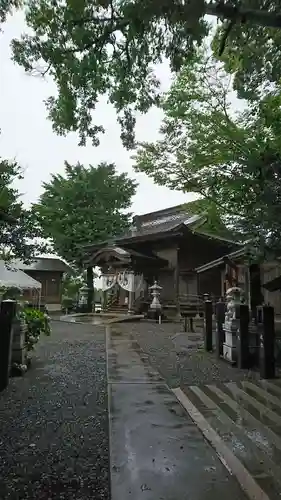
[167, 246]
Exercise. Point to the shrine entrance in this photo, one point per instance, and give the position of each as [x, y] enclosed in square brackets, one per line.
[122, 289]
[125, 276]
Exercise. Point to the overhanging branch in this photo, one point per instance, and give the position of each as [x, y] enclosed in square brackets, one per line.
[242, 15]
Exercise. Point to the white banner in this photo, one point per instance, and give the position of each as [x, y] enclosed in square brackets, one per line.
[126, 280]
[108, 281]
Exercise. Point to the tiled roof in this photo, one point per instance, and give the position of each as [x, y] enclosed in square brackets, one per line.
[44, 264]
[167, 222]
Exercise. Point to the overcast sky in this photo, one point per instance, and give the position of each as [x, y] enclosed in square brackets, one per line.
[27, 135]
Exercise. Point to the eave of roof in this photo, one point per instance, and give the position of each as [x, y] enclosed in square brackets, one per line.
[123, 255]
[273, 285]
[241, 252]
[46, 264]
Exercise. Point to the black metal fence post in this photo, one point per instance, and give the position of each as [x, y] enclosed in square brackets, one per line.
[220, 317]
[267, 343]
[208, 325]
[243, 352]
[7, 313]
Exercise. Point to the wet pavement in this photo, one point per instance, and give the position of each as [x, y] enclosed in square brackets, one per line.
[178, 423]
[156, 450]
[246, 416]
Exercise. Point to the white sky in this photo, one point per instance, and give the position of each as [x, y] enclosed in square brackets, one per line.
[27, 135]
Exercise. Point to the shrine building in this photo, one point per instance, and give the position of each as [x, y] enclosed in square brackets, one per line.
[167, 246]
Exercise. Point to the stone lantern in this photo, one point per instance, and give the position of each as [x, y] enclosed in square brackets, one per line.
[155, 304]
[234, 298]
[83, 298]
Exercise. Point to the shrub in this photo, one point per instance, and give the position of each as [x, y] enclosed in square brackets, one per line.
[37, 322]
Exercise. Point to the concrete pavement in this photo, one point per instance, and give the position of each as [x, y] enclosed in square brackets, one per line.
[157, 452]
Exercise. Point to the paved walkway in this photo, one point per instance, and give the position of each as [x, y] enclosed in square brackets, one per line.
[178, 421]
[239, 414]
[157, 453]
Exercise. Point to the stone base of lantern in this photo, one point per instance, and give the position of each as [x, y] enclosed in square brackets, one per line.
[230, 343]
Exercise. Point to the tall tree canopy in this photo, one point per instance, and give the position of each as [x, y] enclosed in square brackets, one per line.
[96, 47]
[19, 230]
[231, 159]
[86, 205]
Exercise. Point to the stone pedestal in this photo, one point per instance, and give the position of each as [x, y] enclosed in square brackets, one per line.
[230, 343]
[19, 352]
[231, 323]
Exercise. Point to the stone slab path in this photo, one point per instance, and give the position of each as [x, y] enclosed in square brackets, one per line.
[157, 453]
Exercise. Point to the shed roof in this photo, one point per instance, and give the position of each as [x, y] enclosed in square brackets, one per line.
[11, 276]
[237, 254]
[44, 264]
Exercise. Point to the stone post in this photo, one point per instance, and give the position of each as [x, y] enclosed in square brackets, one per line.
[267, 344]
[243, 352]
[19, 351]
[208, 325]
[8, 309]
[220, 314]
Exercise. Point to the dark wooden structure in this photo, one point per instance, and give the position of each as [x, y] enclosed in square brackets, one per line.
[49, 272]
[167, 246]
[261, 281]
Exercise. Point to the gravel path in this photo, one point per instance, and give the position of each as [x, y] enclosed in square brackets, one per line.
[54, 422]
[181, 364]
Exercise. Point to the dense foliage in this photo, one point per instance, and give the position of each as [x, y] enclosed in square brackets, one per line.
[19, 229]
[110, 47]
[37, 323]
[231, 159]
[84, 207]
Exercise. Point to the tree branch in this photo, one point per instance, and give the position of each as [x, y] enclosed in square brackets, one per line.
[242, 15]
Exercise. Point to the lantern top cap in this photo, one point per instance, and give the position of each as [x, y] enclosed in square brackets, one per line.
[234, 289]
[155, 286]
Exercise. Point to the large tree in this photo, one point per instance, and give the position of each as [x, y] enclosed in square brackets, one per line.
[19, 230]
[87, 205]
[232, 159]
[96, 47]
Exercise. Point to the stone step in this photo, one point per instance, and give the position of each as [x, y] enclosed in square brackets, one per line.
[246, 418]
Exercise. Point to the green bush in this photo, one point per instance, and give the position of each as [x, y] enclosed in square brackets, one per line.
[37, 323]
[68, 303]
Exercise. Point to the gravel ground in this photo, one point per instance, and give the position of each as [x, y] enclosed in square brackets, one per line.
[54, 421]
[181, 366]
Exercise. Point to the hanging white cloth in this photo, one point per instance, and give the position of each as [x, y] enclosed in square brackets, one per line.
[126, 280]
[107, 281]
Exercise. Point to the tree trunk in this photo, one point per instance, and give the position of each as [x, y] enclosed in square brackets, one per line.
[90, 280]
